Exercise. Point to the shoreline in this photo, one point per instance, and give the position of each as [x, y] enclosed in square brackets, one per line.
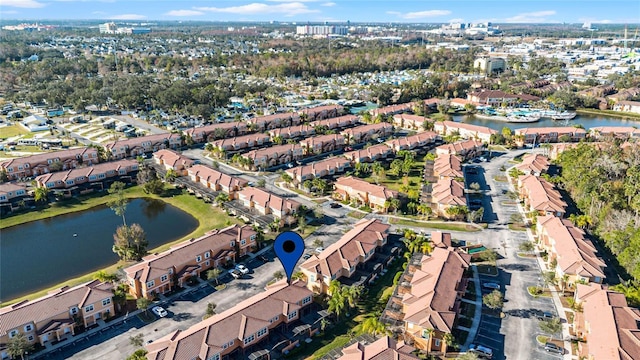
[609, 113]
[204, 213]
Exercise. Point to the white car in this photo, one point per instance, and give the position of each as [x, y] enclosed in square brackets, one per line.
[319, 249]
[160, 311]
[482, 351]
[243, 269]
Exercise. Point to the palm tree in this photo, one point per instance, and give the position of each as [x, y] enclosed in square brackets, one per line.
[211, 310]
[119, 203]
[41, 194]
[352, 294]
[372, 325]
[334, 287]
[337, 304]
[214, 274]
[143, 304]
[448, 341]
[171, 175]
[426, 247]
[429, 332]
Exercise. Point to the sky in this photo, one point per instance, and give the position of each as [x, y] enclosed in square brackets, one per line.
[301, 11]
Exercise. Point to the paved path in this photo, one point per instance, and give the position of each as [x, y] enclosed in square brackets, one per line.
[473, 331]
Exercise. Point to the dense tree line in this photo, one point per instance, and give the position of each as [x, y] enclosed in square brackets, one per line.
[604, 181]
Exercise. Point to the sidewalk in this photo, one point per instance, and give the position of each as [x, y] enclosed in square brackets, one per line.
[473, 331]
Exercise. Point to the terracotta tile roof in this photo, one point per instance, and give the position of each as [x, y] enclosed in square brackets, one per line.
[371, 152]
[453, 125]
[56, 305]
[10, 187]
[614, 327]
[448, 165]
[385, 348]
[241, 141]
[317, 167]
[265, 119]
[447, 191]
[534, 164]
[560, 130]
[440, 239]
[413, 141]
[266, 199]
[216, 177]
[541, 194]
[241, 126]
[365, 129]
[322, 139]
[292, 131]
[153, 266]
[576, 255]
[340, 121]
[357, 185]
[273, 151]
[318, 109]
[412, 118]
[432, 297]
[172, 158]
[357, 242]
[614, 130]
[207, 337]
[484, 94]
[400, 108]
[459, 147]
[43, 158]
[96, 169]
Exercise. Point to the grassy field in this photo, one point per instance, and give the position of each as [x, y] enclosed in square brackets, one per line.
[356, 214]
[208, 218]
[610, 113]
[10, 131]
[434, 225]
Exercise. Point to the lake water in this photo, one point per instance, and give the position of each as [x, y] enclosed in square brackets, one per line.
[43, 253]
[588, 121]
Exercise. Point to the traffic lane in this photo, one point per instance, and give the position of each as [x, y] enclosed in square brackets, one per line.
[489, 335]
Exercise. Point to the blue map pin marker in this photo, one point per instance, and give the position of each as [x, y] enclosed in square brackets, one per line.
[289, 247]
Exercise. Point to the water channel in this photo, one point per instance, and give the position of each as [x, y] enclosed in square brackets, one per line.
[588, 121]
[43, 253]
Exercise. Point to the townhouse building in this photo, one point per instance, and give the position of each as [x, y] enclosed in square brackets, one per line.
[141, 145]
[549, 135]
[466, 149]
[364, 133]
[274, 155]
[427, 300]
[292, 132]
[392, 109]
[447, 166]
[622, 132]
[171, 160]
[494, 98]
[363, 193]
[216, 180]
[411, 122]
[322, 168]
[383, 348]
[161, 272]
[267, 203]
[56, 316]
[541, 196]
[10, 193]
[608, 326]
[238, 331]
[35, 165]
[322, 144]
[369, 154]
[321, 112]
[273, 121]
[242, 142]
[627, 106]
[216, 131]
[336, 122]
[447, 193]
[576, 256]
[341, 259]
[417, 141]
[99, 176]
[466, 131]
[534, 164]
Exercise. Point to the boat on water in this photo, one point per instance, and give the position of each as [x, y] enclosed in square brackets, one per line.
[523, 118]
[565, 115]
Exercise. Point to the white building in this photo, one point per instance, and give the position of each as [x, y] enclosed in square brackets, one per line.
[490, 65]
[321, 30]
[108, 28]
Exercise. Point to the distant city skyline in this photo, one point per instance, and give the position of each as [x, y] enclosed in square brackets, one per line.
[301, 11]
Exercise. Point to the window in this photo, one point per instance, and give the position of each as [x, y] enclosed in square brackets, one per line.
[253, 238]
[92, 177]
[249, 339]
[214, 357]
[69, 182]
[13, 333]
[230, 344]
[164, 278]
[74, 310]
[88, 308]
[198, 258]
[207, 263]
[232, 244]
[306, 300]
[151, 283]
[170, 271]
[275, 318]
[262, 332]
[243, 242]
[106, 302]
[100, 176]
[28, 328]
[292, 315]
[207, 255]
[437, 341]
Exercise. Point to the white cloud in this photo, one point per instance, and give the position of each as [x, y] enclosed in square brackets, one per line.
[420, 14]
[457, 20]
[329, 4]
[9, 12]
[128, 17]
[286, 9]
[184, 13]
[286, 1]
[30, 4]
[531, 17]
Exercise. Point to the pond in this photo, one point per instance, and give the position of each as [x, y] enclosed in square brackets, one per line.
[46, 252]
[587, 121]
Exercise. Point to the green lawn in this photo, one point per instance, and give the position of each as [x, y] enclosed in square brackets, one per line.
[208, 218]
[10, 131]
[356, 214]
[434, 225]
[611, 113]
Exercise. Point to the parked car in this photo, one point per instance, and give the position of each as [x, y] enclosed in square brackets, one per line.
[545, 315]
[319, 249]
[348, 148]
[481, 351]
[553, 348]
[335, 205]
[235, 273]
[290, 165]
[243, 269]
[160, 311]
[263, 258]
[306, 256]
[491, 286]
[472, 170]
